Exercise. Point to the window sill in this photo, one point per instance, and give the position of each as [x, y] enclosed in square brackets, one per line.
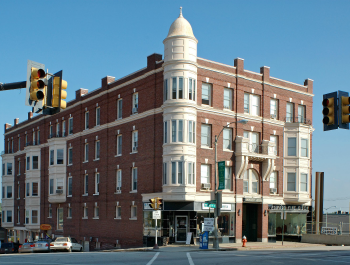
[117, 155]
[227, 109]
[69, 217]
[205, 190]
[133, 191]
[117, 192]
[95, 194]
[18, 198]
[206, 105]
[85, 218]
[69, 196]
[133, 218]
[49, 217]
[18, 223]
[119, 119]
[135, 152]
[228, 150]
[117, 218]
[85, 195]
[206, 147]
[97, 125]
[69, 165]
[96, 218]
[85, 161]
[96, 159]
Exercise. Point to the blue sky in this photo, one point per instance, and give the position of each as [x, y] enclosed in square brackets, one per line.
[89, 40]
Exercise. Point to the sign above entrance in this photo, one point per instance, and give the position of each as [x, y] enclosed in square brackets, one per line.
[45, 227]
[252, 199]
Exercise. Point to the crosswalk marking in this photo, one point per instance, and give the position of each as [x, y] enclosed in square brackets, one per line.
[189, 259]
[153, 259]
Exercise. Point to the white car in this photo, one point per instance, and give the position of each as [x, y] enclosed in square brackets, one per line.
[66, 243]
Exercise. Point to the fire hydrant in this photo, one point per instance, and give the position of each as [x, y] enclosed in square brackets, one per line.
[244, 240]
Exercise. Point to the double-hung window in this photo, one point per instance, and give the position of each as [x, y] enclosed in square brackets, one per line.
[38, 136]
[86, 184]
[173, 131]
[180, 131]
[174, 88]
[228, 98]
[273, 180]
[205, 173]
[191, 89]
[119, 144]
[134, 179]
[97, 183]
[35, 162]
[63, 128]
[70, 156]
[303, 182]
[86, 120]
[9, 168]
[86, 152]
[27, 189]
[60, 160]
[274, 109]
[165, 89]
[177, 172]
[9, 192]
[120, 108]
[206, 94]
[274, 139]
[70, 125]
[134, 141]
[290, 112]
[119, 181]
[70, 186]
[191, 173]
[135, 103]
[304, 147]
[254, 140]
[292, 146]
[165, 175]
[206, 135]
[28, 162]
[301, 113]
[51, 186]
[191, 131]
[250, 182]
[52, 157]
[291, 182]
[227, 139]
[35, 189]
[97, 150]
[98, 112]
[252, 104]
[57, 130]
[181, 87]
[165, 132]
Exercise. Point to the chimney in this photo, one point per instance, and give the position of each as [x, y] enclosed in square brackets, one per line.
[16, 121]
[30, 115]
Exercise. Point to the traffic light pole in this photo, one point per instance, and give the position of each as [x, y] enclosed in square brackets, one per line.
[12, 86]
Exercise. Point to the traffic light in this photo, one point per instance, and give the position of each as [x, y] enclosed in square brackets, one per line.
[330, 111]
[159, 203]
[153, 203]
[37, 84]
[344, 109]
[58, 93]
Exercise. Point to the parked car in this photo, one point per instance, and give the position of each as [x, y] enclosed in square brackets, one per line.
[26, 247]
[66, 243]
[9, 248]
[41, 246]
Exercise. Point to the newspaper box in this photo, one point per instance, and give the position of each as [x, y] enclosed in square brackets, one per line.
[203, 240]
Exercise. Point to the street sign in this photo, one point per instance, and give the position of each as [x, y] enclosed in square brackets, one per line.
[210, 205]
[212, 201]
[221, 170]
[156, 214]
[208, 224]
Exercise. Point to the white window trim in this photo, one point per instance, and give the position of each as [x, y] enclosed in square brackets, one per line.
[98, 109]
[97, 183]
[134, 149]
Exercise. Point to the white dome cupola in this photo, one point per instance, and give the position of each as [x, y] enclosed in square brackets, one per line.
[181, 27]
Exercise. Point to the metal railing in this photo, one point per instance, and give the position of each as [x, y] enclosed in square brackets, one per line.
[258, 149]
[340, 228]
[297, 120]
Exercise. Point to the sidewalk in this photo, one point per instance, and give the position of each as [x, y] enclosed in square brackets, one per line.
[223, 247]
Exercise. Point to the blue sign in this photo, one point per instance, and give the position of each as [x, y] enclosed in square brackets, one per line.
[204, 240]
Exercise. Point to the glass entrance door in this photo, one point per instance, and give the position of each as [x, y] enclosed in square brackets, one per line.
[181, 228]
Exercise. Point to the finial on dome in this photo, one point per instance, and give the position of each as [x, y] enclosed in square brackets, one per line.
[180, 11]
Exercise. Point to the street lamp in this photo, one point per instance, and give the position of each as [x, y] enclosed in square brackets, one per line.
[327, 214]
[216, 241]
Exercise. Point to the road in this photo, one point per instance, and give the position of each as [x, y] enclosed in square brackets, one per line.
[305, 256]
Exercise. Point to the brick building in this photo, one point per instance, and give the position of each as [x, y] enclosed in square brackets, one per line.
[90, 170]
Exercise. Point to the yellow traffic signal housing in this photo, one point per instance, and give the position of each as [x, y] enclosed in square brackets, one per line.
[159, 203]
[58, 93]
[152, 203]
[328, 111]
[37, 85]
[345, 109]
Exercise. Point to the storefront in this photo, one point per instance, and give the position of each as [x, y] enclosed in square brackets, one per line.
[287, 220]
[181, 218]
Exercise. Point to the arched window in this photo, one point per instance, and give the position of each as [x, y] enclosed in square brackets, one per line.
[251, 182]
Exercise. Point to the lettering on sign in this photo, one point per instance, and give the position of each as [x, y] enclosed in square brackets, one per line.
[156, 214]
[289, 207]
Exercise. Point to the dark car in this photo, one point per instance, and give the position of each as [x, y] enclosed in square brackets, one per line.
[9, 248]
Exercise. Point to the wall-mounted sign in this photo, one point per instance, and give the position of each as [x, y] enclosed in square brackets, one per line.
[252, 200]
[289, 207]
[45, 227]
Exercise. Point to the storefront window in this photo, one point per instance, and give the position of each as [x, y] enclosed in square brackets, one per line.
[149, 224]
[226, 223]
[272, 224]
[294, 224]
